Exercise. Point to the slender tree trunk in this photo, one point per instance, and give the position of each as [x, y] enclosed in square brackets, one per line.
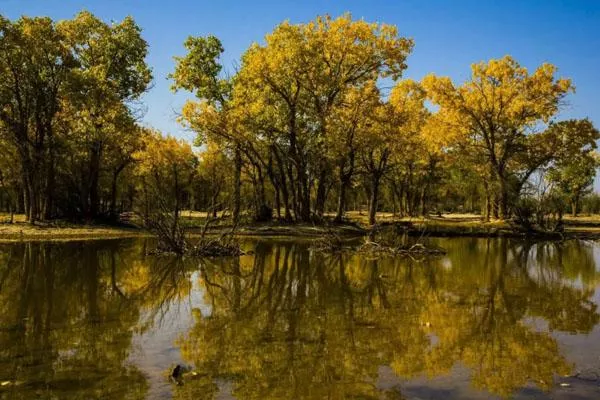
[237, 183]
[345, 177]
[305, 195]
[341, 207]
[284, 185]
[49, 201]
[286, 200]
[496, 206]
[574, 207]
[176, 192]
[33, 203]
[26, 197]
[30, 186]
[20, 206]
[503, 207]
[374, 198]
[293, 186]
[113, 196]
[422, 200]
[114, 190]
[398, 190]
[277, 201]
[48, 206]
[321, 194]
[94, 179]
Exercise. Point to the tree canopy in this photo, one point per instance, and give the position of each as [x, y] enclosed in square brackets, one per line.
[316, 120]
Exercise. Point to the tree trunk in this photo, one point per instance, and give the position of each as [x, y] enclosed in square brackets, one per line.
[345, 177]
[33, 201]
[503, 207]
[574, 207]
[113, 197]
[341, 208]
[488, 207]
[321, 194]
[237, 183]
[422, 200]
[374, 199]
[496, 206]
[284, 188]
[277, 202]
[49, 200]
[304, 195]
[176, 192]
[25, 191]
[487, 204]
[94, 179]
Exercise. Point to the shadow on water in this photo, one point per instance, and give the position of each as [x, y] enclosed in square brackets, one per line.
[288, 322]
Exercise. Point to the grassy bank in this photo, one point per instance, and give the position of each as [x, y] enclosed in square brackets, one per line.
[61, 230]
[357, 225]
[473, 225]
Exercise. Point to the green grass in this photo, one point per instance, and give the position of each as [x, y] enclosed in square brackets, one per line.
[448, 224]
[59, 230]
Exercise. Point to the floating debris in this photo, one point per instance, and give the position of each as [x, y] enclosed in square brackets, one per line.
[415, 249]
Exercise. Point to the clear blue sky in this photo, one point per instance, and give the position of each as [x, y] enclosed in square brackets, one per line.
[449, 36]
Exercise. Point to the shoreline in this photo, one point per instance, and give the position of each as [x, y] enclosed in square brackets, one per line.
[16, 232]
[461, 226]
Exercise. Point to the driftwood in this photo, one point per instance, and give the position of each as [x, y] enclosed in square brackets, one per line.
[223, 246]
[334, 243]
[173, 239]
[416, 249]
[331, 243]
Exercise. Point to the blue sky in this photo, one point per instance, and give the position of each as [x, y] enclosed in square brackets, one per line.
[449, 36]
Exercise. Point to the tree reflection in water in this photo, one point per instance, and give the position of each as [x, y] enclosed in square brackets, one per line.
[289, 322]
[68, 313]
[66, 327]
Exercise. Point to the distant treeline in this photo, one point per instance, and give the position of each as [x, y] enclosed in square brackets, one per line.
[303, 127]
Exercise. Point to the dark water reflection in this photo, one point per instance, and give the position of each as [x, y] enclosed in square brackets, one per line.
[495, 318]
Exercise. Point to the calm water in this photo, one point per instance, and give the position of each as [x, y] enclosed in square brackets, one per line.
[496, 318]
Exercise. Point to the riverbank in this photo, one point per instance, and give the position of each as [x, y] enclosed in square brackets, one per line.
[455, 225]
[61, 230]
[587, 227]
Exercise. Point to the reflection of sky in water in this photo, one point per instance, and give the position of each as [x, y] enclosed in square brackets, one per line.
[446, 263]
[155, 351]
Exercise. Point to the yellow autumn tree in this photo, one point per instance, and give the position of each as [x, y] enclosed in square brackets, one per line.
[165, 167]
[289, 87]
[498, 113]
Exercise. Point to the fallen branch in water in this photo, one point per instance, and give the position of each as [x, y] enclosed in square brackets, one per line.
[172, 237]
[223, 246]
[419, 248]
[331, 242]
[416, 249]
[334, 243]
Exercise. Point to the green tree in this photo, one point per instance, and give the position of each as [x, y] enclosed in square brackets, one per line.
[112, 74]
[574, 168]
[35, 64]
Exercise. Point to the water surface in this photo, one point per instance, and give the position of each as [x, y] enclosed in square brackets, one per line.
[495, 318]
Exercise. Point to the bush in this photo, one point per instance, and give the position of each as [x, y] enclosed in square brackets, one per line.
[264, 214]
[590, 204]
[532, 214]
